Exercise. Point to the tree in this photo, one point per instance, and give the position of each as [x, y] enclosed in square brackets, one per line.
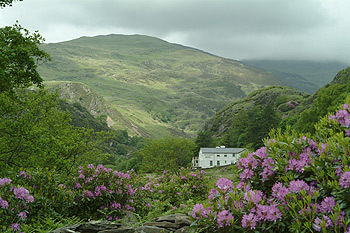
[34, 132]
[166, 154]
[204, 139]
[4, 3]
[19, 56]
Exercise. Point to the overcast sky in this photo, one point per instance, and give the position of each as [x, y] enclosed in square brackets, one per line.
[237, 29]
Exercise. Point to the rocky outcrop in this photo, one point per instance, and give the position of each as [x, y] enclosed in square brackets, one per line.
[177, 223]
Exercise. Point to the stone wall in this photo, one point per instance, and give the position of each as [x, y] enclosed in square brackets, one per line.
[176, 223]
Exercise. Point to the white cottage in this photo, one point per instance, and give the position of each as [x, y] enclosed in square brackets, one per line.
[219, 156]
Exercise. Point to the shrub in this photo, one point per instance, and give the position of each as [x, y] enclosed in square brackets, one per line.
[101, 192]
[51, 198]
[14, 205]
[171, 191]
[295, 183]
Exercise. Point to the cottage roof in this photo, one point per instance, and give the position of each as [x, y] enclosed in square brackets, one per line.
[221, 150]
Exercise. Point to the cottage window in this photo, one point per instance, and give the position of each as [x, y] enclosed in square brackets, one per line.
[218, 163]
[225, 155]
[225, 161]
[218, 155]
[211, 163]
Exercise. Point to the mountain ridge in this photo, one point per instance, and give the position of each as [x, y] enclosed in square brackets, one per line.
[159, 86]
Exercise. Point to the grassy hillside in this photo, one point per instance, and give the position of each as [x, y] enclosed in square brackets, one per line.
[160, 87]
[307, 76]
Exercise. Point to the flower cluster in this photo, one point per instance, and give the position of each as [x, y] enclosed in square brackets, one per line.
[294, 184]
[14, 204]
[102, 191]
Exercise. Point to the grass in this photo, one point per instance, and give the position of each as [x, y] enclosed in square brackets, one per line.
[143, 74]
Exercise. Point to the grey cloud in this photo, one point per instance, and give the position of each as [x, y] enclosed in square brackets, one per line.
[232, 28]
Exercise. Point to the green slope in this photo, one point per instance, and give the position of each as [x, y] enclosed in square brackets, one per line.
[289, 107]
[160, 87]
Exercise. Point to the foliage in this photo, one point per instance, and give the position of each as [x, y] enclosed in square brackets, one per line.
[4, 3]
[51, 200]
[250, 127]
[325, 100]
[102, 192]
[172, 191]
[14, 203]
[246, 122]
[35, 132]
[19, 56]
[166, 154]
[294, 184]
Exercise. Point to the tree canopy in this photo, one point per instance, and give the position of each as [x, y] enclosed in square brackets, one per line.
[4, 3]
[19, 56]
[166, 154]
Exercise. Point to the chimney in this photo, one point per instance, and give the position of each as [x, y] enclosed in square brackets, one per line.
[222, 147]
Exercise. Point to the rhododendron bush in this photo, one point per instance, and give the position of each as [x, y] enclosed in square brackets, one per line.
[296, 183]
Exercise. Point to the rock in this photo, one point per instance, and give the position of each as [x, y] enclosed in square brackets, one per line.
[178, 223]
[151, 229]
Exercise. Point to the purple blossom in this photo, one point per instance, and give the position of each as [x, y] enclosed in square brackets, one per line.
[200, 210]
[4, 181]
[268, 213]
[87, 193]
[21, 192]
[253, 196]
[29, 199]
[224, 217]
[224, 184]
[184, 178]
[279, 191]
[15, 227]
[213, 193]
[115, 205]
[344, 180]
[327, 204]
[91, 166]
[22, 215]
[4, 204]
[298, 185]
[249, 220]
[246, 174]
[77, 185]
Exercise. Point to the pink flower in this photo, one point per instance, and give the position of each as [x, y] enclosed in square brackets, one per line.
[15, 226]
[327, 204]
[22, 215]
[253, 196]
[5, 181]
[224, 184]
[77, 185]
[21, 192]
[344, 180]
[224, 217]
[29, 199]
[249, 220]
[4, 204]
[200, 210]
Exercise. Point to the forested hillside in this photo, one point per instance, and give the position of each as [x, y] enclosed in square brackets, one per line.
[246, 122]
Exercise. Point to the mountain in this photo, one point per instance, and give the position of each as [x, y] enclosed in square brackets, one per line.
[307, 76]
[157, 88]
[247, 121]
